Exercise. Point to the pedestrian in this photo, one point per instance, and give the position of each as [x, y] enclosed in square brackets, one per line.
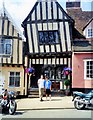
[47, 86]
[41, 87]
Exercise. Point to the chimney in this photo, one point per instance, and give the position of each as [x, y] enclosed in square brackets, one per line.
[76, 4]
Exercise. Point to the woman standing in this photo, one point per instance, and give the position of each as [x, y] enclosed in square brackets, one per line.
[47, 85]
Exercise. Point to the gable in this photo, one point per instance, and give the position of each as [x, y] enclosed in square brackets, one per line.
[88, 29]
[48, 28]
[89, 24]
[80, 17]
[49, 10]
[7, 25]
[11, 44]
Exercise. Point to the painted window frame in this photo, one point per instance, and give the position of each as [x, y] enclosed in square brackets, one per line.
[90, 32]
[88, 68]
[6, 46]
[46, 38]
[14, 78]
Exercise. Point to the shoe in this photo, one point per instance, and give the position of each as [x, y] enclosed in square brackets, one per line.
[41, 100]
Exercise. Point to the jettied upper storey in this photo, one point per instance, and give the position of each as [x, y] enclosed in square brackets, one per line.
[48, 29]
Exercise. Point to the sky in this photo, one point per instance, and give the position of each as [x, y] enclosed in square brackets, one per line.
[19, 9]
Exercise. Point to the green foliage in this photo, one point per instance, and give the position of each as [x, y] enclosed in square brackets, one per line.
[66, 82]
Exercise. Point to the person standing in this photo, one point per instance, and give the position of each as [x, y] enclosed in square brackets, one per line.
[47, 86]
[41, 87]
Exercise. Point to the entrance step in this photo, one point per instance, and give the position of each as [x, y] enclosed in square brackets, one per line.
[33, 92]
[33, 96]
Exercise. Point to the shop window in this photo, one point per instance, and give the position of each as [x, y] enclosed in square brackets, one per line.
[14, 79]
[46, 37]
[88, 71]
[5, 46]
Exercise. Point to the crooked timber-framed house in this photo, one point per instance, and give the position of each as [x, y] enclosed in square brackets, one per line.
[48, 31]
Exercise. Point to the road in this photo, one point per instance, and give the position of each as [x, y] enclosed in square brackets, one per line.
[50, 113]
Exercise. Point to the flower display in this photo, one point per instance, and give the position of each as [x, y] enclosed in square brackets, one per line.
[67, 71]
[30, 71]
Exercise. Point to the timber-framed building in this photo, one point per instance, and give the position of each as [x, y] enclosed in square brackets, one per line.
[11, 55]
[48, 30]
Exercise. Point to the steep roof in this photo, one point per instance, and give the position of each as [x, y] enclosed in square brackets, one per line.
[81, 18]
[4, 14]
[88, 23]
[38, 2]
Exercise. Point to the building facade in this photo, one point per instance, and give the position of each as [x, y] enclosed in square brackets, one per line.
[82, 66]
[11, 55]
[48, 32]
[82, 48]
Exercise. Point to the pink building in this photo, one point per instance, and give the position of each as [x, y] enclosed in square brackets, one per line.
[82, 60]
[82, 66]
[82, 47]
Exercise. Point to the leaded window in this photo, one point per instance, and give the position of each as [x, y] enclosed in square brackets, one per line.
[46, 37]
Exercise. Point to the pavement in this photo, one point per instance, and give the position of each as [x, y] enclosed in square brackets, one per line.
[35, 103]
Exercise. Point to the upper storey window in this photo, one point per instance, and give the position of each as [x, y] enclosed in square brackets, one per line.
[5, 46]
[90, 33]
[48, 37]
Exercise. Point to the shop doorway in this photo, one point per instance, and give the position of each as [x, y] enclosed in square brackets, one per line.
[34, 78]
[54, 73]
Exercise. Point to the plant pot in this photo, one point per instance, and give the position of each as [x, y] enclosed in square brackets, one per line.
[67, 92]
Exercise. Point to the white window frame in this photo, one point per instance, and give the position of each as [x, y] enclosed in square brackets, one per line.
[90, 33]
[85, 69]
[14, 76]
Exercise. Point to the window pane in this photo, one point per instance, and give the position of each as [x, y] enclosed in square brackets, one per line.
[91, 76]
[56, 37]
[87, 76]
[87, 71]
[1, 48]
[8, 49]
[87, 62]
[87, 67]
[91, 67]
[41, 37]
[17, 82]
[17, 74]
[11, 81]
[11, 73]
[90, 71]
[51, 37]
[46, 38]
